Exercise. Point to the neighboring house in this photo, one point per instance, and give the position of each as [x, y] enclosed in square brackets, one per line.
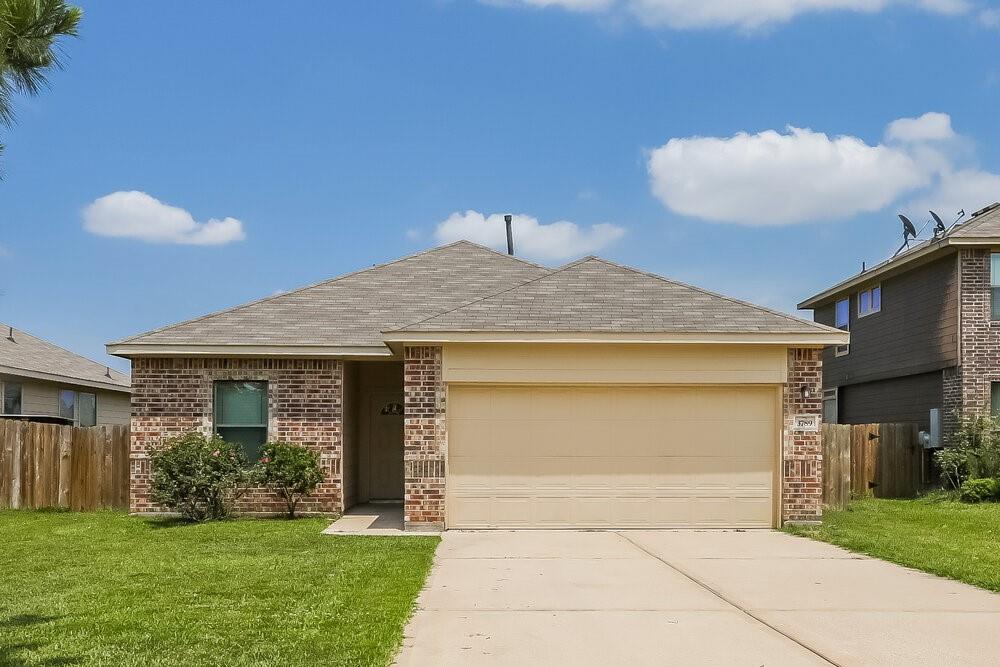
[43, 382]
[485, 391]
[925, 331]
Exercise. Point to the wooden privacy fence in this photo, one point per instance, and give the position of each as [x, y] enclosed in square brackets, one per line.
[47, 465]
[880, 460]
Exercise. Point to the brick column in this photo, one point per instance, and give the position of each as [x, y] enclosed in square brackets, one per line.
[802, 451]
[425, 446]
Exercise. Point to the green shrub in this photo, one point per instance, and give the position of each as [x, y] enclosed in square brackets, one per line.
[292, 471]
[972, 452]
[199, 476]
[980, 490]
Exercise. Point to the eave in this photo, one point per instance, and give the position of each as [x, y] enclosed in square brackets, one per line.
[64, 379]
[821, 338]
[130, 350]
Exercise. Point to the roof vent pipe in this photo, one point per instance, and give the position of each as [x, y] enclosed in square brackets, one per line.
[508, 218]
[10, 336]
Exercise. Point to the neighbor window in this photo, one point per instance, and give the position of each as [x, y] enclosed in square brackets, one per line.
[843, 321]
[995, 286]
[11, 398]
[241, 415]
[995, 399]
[67, 404]
[870, 301]
[88, 409]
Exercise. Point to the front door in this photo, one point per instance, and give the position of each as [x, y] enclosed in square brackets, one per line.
[385, 470]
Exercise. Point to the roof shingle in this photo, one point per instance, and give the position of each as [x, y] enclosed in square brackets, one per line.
[595, 295]
[34, 355]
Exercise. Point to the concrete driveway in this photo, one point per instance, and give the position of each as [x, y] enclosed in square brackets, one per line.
[688, 597]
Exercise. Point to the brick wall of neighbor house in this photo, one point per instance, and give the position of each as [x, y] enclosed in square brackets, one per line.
[980, 336]
[305, 405]
[802, 455]
[424, 437]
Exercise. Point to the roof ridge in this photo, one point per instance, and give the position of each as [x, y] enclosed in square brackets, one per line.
[731, 299]
[551, 272]
[44, 341]
[326, 281]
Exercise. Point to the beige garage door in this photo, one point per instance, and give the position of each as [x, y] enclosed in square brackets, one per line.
[610, 457]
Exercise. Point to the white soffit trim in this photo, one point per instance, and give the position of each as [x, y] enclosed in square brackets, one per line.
[818, 339]
[186, 350]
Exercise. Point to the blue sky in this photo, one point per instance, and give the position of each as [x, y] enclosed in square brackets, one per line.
[338, 135]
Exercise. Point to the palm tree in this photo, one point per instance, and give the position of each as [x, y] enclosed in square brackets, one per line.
[28, 33]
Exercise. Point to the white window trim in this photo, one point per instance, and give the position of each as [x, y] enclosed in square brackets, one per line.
[870, 312]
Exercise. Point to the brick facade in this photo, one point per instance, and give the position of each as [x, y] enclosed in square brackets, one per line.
[425, 448]
[305, 405]
[802, 451]
[980, 335]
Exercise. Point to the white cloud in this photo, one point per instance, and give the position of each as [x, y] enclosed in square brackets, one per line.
[774, 179]
[742, 14]
[771, 178]
[555, 241]
[137, 215]
[990, 18]
[962, 189]
[932, 126]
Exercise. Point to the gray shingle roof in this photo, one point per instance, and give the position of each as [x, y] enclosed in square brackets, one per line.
[595, 295]
[982, 225]
[354, 309]
[982, 228]
[34, 355]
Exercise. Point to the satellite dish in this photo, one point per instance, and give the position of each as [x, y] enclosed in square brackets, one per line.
[909, 232]
[939, 227]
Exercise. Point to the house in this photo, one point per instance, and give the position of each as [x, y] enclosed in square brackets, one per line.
[485, 391]
[925, 331]
[40, 381]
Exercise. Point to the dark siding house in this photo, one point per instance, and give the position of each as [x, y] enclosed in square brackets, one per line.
[924, 332]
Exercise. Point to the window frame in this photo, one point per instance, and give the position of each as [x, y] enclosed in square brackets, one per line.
[871, 294]
[218, 425]
[20, 397]
[994, 398]
[842, 350]
[994, 286]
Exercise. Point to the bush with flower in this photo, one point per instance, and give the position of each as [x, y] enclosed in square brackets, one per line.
[201, 477]
[292, 471]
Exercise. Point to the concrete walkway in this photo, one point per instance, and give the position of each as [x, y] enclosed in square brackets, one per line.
[688, 598]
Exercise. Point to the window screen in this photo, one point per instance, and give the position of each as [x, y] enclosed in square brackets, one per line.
[241, 415]
[88, 409]
[67, 404]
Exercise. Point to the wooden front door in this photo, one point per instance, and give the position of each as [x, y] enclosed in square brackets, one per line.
[385, 469]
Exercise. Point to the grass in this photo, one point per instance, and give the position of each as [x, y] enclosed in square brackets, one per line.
[943, 537]
[103, 588]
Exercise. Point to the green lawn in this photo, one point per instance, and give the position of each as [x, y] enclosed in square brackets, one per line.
[103, 588]
[948, 538]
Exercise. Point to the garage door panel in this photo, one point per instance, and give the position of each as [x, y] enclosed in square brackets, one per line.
[617, 460]
[510, 437]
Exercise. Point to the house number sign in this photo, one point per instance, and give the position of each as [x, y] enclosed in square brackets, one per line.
[805, 423]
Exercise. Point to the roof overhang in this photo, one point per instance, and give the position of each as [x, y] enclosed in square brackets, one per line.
[65, 379]
[821, 338]
[908, 261]
[129, 350]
